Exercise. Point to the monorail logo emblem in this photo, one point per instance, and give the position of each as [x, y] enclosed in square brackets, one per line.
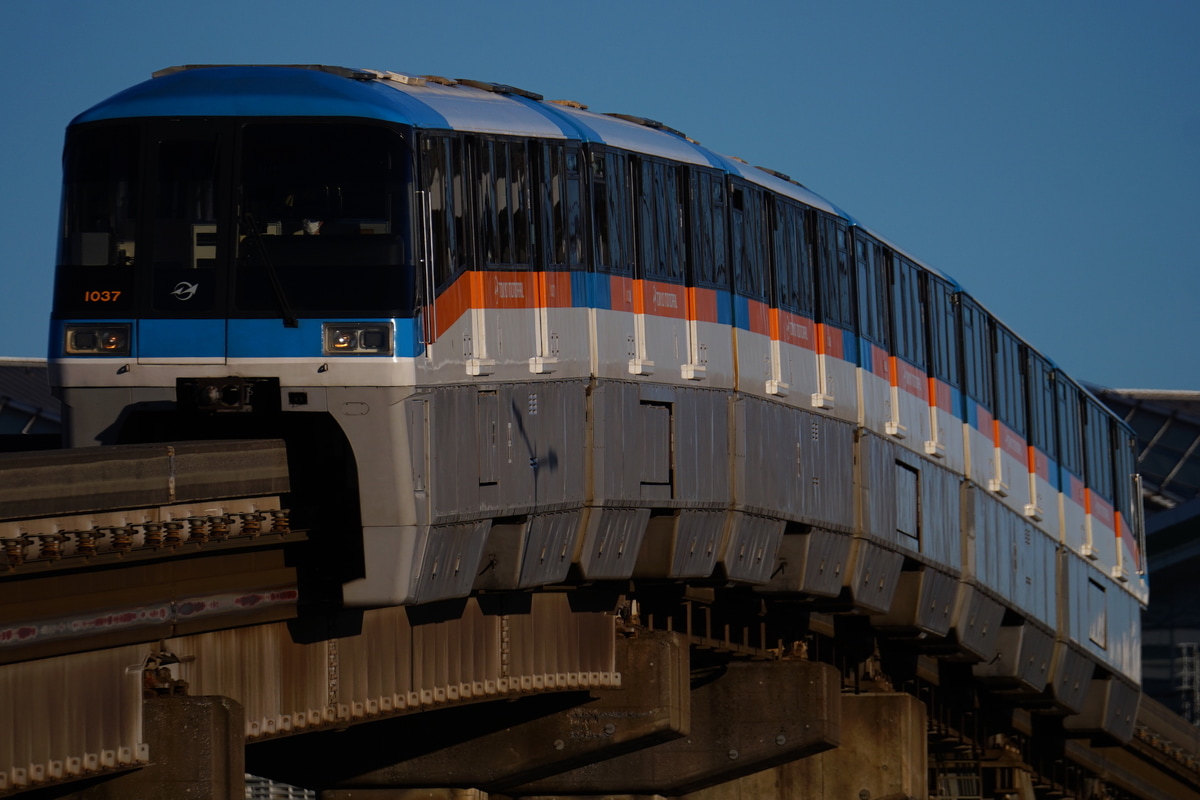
[184, 290]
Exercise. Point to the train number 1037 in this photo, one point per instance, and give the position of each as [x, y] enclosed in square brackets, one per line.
[101, 296]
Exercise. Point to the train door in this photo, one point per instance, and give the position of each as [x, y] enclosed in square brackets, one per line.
[615, 349]
[1043, 505]
[662, 337]
[1010, 470]
[560, 341]
[446, 243]
[504, 330]
[837, 340]
[978, 386]
[186, 254]
[708, 354]
[1099, 495]
[794, 366]
[945, 441]
[1072, 494]
[911, 420]
[872, 265]
[751, 286]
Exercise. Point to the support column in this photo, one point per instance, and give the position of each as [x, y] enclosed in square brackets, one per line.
[882, 757]
[754, 716]
[197, 752]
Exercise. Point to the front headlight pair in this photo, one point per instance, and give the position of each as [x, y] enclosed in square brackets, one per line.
[339, 338]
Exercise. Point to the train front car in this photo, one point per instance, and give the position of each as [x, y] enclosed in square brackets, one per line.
[596, 351]
[237, 256]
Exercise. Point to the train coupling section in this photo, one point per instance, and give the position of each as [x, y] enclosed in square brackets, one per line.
[232, 394]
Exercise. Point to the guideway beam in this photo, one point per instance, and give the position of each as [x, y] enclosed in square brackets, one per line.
[651, 707]
[754, 716]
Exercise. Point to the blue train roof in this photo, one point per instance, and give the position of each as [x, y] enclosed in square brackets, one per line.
[421, 102]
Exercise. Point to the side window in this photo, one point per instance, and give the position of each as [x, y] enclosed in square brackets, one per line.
[943, 330]
[1070, 426]
[503, 203]
[551, 189]
[1010, 380]
[977, 351]
[708, 229]
[1040, 390]
[660, 221]
[746, 217]
[871, 261]
[575, 197]
[100, 193]
[1098, 449]
[443, 180]
[791, 265]
[908, 312]
[611, 212]
[833, 274]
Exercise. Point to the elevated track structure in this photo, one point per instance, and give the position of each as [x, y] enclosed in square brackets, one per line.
[155, 637]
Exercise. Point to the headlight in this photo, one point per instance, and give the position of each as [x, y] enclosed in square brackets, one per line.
[99, 340]
[366, 339]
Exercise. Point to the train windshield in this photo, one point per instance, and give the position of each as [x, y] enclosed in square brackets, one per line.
[308, 216]
[323, 210]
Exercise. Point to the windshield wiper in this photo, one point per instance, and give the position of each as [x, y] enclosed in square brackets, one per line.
[285, 308]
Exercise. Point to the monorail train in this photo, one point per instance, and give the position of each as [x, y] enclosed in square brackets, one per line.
[532, 345]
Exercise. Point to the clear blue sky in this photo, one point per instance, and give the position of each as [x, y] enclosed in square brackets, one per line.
[1045, 154]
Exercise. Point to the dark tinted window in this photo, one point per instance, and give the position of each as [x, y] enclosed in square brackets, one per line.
[1040, 390]
[977, 351]
[100, 197]
[325, 208]
[908, 312]
[943, 330]
[747, 240]
[1010, 380]
[791, 263]
[833, 274]
[872, 262]
[611, 208]
[661, 235]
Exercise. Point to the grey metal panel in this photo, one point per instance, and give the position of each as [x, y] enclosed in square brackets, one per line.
[1012, 558]
[793, 464]
[697, 540]
[812, 563]
[450, 560]
[941, 517]
[1101, 617]
[559, 474]
[518, 439]
[876, 474]
[611, 541]
[925, 602]
[702, 454]
[1023, 659]
[549, 547]
[684, 544]
[616, 443]
[826, 481]
[1110, 707]
[976, 623]
[1070, 676]
[750, 547]
[873, 576]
